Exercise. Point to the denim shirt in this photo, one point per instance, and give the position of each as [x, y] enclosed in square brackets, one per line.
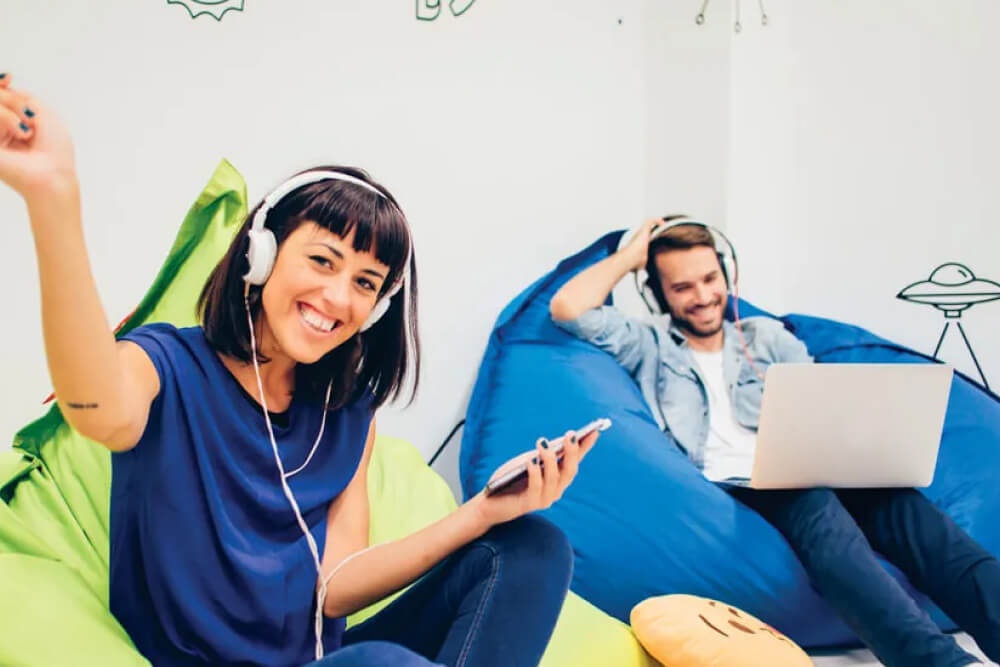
[657, 356]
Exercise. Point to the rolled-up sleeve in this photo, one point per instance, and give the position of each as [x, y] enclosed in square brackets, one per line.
[622, 337]
[796, 351]
[788, 349]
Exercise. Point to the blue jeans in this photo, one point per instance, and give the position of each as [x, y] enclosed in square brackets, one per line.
[493, 602]
[835, 534]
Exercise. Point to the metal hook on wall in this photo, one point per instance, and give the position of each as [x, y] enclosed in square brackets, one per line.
[700, 18]
[738, 24]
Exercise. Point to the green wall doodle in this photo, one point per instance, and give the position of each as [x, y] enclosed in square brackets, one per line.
[214, 8]
[428, 10]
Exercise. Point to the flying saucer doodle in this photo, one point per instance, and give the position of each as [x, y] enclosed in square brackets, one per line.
[953, 288]
[214, 8]
[428, 10]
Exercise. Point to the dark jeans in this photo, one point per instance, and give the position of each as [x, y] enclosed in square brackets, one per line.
[834, 533]
[493, 602]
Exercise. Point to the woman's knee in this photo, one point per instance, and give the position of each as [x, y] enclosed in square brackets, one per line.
[532, 543]
[536, 537]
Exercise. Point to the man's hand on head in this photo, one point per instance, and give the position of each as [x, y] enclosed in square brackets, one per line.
[637, 250]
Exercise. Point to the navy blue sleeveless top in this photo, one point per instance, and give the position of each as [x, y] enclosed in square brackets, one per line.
[208, 564]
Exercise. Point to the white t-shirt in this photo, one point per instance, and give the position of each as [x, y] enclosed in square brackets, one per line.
[730, 447]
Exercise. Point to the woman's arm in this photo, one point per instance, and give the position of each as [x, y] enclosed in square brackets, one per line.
[348, 519]
[104, 389]
[372, 574]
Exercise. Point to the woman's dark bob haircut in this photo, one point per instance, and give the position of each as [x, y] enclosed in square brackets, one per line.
[377, 360]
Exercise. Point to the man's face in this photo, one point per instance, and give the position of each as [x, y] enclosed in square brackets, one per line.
[695, 289]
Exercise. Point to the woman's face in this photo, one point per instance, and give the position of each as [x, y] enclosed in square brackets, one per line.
[319, 294]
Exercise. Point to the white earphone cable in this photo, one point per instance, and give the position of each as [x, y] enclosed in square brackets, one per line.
[322, 426]
[313, 549]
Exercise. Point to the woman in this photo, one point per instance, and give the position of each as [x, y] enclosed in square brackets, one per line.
[239, 507]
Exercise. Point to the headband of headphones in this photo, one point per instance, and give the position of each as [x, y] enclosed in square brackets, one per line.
[296, 182]
[262, 249]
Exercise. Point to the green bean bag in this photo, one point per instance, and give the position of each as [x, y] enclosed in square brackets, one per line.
[55, 499]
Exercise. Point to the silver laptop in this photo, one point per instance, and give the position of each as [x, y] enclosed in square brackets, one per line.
[850, 425]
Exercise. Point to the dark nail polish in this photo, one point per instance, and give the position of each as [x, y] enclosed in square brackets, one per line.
[3, 75]
[534, 461]
[545, 443]
[29, 113]
[572, 439]
[24, 128]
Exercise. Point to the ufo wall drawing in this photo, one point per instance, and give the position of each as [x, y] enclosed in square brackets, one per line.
[953, 288]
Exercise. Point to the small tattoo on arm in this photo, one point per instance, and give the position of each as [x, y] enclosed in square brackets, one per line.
[82, 406]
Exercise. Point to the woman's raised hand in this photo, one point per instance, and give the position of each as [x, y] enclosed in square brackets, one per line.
[36, 152]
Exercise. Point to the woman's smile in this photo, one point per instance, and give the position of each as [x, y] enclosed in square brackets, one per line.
[316, 322]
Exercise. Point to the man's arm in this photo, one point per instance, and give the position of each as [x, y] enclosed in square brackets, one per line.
[794, 350]
[578, 306]
[589, 288]
[786, 348]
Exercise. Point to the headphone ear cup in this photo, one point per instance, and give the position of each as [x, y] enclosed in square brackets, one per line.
[262, 250]
[724, 265]
[380, 309]
[650, 294]
[728, 270]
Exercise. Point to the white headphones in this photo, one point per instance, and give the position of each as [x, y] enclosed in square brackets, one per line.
[723, 249]
[263, 247]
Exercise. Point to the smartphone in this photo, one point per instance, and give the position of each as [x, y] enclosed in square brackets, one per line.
[512, 477]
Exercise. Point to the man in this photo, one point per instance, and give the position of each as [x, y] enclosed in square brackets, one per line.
[706, 389]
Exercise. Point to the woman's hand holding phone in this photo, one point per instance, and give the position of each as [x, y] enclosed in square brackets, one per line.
[547, 477]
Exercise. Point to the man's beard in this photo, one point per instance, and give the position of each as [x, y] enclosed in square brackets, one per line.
[690, 327]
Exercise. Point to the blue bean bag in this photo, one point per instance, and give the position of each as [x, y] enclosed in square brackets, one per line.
[642, 519]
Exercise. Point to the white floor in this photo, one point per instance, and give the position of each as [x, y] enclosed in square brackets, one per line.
[862, 658]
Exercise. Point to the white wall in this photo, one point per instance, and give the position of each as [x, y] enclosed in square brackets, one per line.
[864, 154]
[848, 148]
[512, 135]
[687, 106]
